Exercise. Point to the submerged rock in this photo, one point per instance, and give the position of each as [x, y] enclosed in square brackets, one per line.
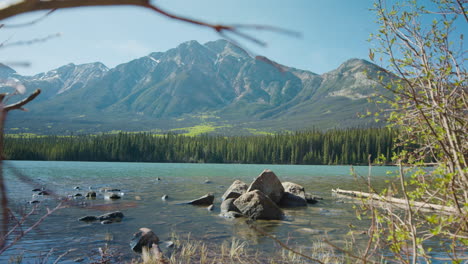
[164, 197]
[206, 199]
[256, 205]
[143, 238]
[236, 189]
[231, 214]
[269, 185]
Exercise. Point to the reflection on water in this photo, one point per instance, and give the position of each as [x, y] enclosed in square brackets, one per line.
[142, 205]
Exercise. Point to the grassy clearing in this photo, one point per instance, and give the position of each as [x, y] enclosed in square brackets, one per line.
[198, 129]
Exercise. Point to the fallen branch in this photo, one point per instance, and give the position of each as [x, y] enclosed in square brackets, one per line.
[422, 205]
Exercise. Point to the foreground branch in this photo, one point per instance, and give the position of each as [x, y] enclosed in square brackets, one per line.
[27, 6]
[19, 105]
[427, 206]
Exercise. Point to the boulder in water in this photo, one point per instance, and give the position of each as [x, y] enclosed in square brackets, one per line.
[294, 195]
[256, 205]
[268, 184]
[236, 189]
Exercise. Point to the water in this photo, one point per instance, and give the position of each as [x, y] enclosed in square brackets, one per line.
[143, 207]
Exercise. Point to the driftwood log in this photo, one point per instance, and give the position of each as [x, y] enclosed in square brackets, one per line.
[397, 201]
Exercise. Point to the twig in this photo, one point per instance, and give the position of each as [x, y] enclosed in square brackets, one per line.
[28, 23]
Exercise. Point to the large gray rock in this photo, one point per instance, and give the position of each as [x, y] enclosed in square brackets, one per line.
[256, 205]
[236, 189]
[268, 184]
[294, 195]
[206, 199]
[143, 238]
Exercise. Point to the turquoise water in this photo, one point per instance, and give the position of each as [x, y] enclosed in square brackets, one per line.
[143, 207]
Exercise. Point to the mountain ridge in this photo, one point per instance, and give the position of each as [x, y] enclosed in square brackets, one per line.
[214, 84]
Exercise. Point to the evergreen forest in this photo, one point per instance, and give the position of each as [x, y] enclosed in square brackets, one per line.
[332, 147]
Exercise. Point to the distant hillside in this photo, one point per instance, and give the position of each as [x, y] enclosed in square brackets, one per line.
[216, 87]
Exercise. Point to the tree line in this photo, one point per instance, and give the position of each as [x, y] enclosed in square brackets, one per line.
[333, 147]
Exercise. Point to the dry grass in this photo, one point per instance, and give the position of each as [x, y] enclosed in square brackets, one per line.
[186, 251]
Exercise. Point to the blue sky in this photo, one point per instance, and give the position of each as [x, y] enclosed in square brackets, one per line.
[332, 32]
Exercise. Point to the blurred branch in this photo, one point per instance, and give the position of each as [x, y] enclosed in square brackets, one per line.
[28, 6]
[28, 42]
[28, 23]
[19, 105]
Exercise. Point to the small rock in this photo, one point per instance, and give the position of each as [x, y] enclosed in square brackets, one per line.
[37, 189]
[43, 193]
[143, 238]
[34, 202]
[210, 208]
[88, 218]
[77, 188]
[207, 199]
[207, 181]
[111, 196]
[158, 179]
[106, 222]
[165, 197]
[78, 195]
[114, 216]
[91, 195]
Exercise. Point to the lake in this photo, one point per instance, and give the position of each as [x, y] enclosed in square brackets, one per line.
[142, 205]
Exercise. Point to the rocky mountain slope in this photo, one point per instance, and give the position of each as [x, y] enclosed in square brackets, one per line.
[216, 85]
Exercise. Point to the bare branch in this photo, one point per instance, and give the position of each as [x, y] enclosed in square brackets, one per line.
[30, 22]
[20, 104]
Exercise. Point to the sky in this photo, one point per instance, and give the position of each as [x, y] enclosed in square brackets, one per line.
[332, 31]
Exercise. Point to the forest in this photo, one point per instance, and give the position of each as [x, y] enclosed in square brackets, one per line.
[332, 147]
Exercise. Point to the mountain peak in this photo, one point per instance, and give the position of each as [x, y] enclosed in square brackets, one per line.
[6, 71]
[225, 47]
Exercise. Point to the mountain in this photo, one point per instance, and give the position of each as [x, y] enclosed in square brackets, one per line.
[216, 86]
